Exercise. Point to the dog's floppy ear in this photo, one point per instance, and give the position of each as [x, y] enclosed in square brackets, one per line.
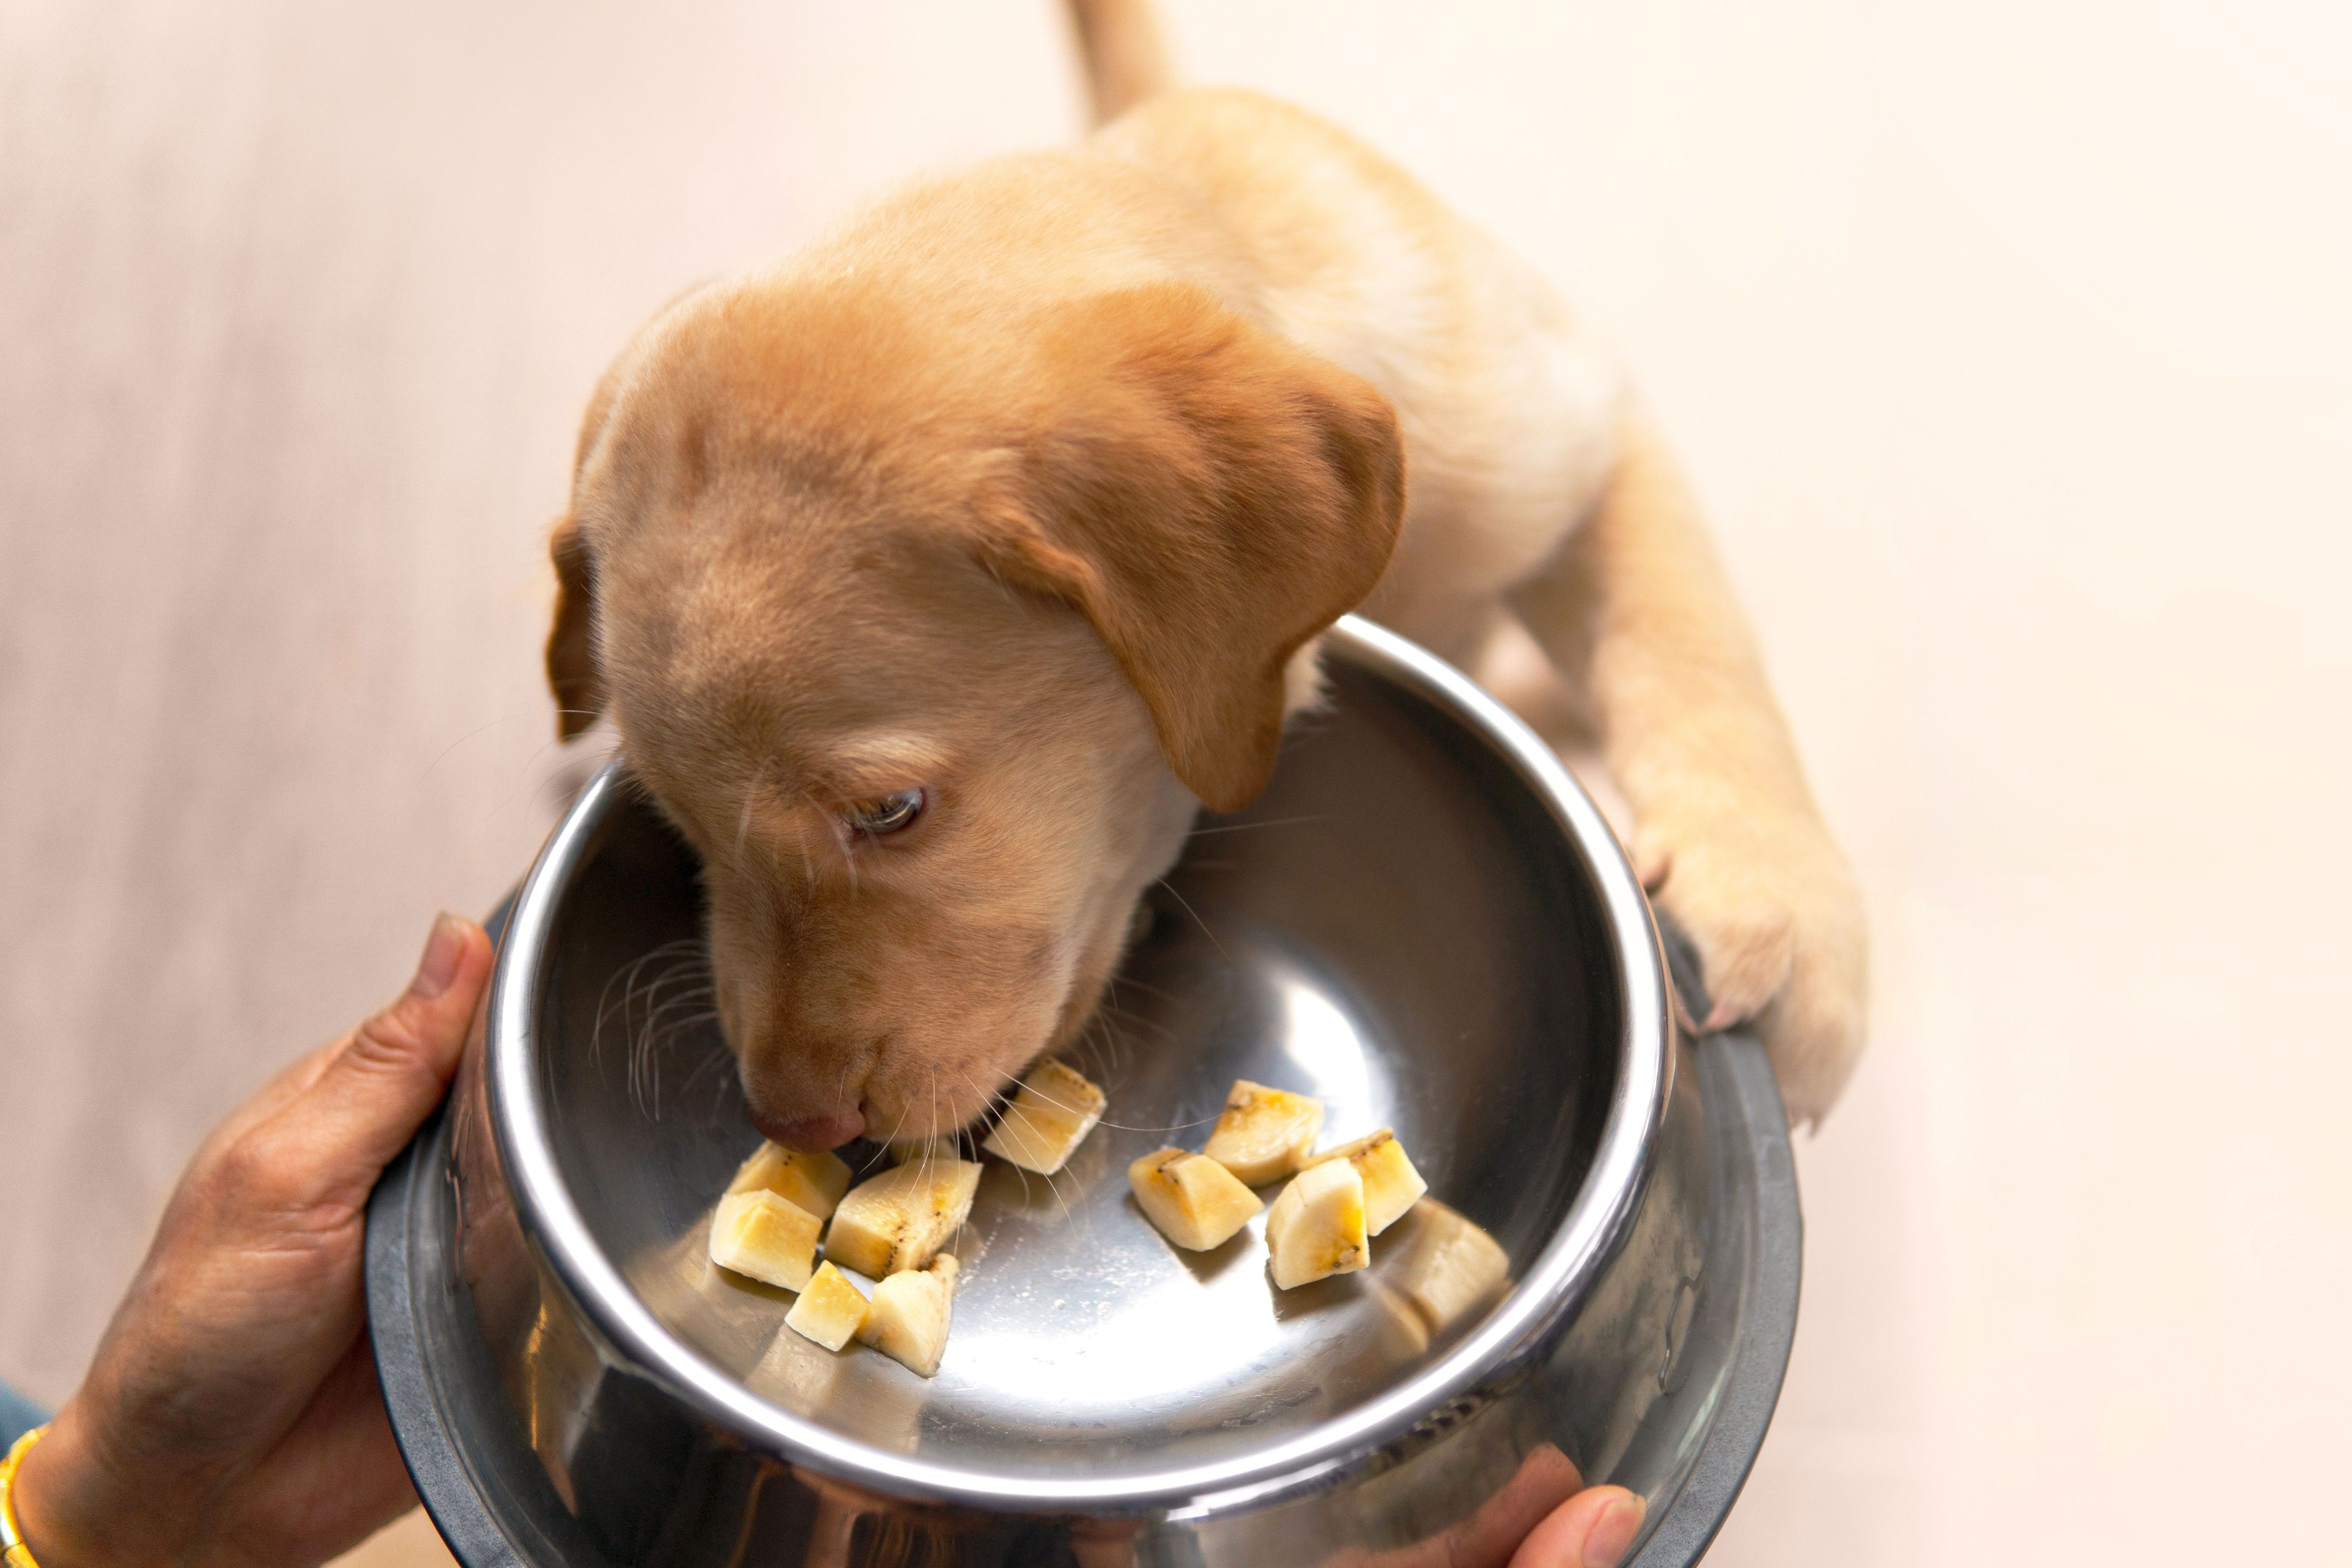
[570, 646]
[1210, 497]
[572, 673]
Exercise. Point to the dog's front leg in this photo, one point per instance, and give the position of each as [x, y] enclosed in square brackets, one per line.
[1639, 617]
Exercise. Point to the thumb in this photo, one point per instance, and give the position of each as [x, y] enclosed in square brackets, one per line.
[1591, 1530]
[393, 1069]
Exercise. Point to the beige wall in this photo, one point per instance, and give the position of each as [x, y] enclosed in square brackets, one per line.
[2009, 343]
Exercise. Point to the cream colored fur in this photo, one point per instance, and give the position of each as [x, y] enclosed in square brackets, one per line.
[1032, 488]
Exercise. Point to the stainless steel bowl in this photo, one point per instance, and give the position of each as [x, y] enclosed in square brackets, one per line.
[1424, 921]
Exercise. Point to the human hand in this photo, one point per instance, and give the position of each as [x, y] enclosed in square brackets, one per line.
[1543, 1517]
[231, 1418]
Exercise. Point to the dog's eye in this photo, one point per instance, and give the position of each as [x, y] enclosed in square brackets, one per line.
[887, 813]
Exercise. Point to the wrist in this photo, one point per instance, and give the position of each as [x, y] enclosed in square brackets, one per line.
[66, 1511]
[14, 1553]
[34, 1496]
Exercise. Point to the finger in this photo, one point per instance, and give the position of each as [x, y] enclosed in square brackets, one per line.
[1545, 1479]
[1591, 1530]
[394, 1068]
[1487, 1537]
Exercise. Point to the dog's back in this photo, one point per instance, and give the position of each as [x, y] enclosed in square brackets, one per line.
[1509, 410]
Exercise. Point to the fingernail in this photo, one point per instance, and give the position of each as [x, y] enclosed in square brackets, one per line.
[1605, 1547]
[438, 967]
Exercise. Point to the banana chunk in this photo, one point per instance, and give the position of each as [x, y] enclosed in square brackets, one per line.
[1194, 1201]
[899, 1220]
[907, 1318]
[1316, 1227]
[759, 1234]
[830, 1310]
[1447, 1265]
[1263, 1133]
[812, 1182]
[1391, 1184]
[1054, 1110]
[918, 1151]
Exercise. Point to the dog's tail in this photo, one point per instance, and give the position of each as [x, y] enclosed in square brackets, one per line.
[1126, 58]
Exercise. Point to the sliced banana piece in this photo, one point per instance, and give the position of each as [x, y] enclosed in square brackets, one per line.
[1263, 1133]
[907, 1318]
[1054, 1110]
[1445, 1266]
[917, 1151]
[812, 1182]
[1194, 1201]
[1316, 1227]
[829, 1311]
[899, 1220]
[1391, 1184]
[759, 1234]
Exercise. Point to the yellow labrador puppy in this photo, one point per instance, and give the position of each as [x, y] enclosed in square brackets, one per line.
[935, 576]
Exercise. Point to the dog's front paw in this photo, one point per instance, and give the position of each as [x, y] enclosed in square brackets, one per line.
[1770, 905]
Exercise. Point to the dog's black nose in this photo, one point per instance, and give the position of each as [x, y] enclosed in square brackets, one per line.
[813, 1133]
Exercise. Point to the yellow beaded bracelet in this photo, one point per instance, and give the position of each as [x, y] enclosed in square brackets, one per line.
[14, 1553]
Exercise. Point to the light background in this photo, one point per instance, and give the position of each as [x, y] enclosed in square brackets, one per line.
[2007, 343]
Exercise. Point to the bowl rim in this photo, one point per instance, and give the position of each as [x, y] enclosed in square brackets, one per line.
[1587, 1237]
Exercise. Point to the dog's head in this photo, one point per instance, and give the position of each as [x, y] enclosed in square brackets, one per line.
[929, 636]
